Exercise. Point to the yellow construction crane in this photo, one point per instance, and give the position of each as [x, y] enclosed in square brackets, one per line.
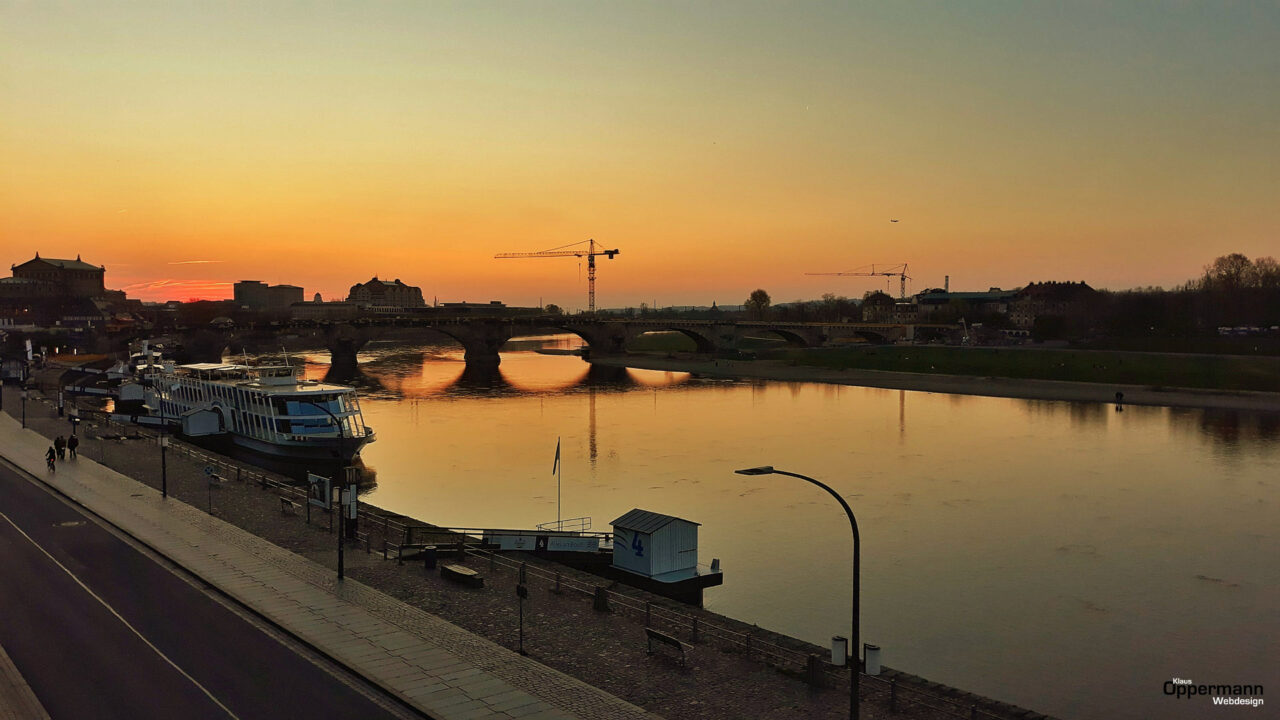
[590, 253]
[898, 271]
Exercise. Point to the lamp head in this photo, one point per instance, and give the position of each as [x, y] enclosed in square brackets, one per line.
[762, 470]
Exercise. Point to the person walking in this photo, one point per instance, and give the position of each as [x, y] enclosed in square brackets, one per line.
[48, 459]
[73, 442]
[60, 443]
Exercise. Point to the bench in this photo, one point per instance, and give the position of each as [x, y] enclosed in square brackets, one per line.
[462, 574]
[410, 551]
[287, 505]
[665, 639]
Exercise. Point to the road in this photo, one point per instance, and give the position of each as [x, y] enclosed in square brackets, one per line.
[101, 628]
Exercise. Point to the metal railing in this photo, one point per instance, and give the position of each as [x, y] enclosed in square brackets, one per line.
[377, 524]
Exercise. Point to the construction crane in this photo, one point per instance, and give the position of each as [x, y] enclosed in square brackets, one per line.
[898, 271]
[590, 253]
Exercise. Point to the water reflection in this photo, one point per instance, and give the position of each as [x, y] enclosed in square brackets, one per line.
[394, 371]
[1004, 539]
[1080, 414]
[1230, 430]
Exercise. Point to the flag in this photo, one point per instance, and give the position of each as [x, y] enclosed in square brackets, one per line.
[556, 465]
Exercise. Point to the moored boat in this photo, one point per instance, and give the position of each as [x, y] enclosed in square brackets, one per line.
[269, 409]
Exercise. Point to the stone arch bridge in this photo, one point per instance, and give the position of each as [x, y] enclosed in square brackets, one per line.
[482, 338]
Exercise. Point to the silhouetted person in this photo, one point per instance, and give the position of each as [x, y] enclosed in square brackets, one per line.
[73, 442]
[1119, 401]
[61, 444]
[49, 456]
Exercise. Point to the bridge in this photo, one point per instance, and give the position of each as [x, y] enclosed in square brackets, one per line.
[482, 338]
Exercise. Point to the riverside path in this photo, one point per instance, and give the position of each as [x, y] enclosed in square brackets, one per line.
[425, 663]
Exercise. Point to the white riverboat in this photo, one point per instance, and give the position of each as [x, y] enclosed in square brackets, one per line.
[269, 409]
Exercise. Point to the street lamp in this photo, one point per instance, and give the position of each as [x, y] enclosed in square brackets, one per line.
[342, 521]
[853, 524]
[24, 408]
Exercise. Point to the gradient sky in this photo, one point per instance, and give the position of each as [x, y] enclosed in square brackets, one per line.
[721, 146]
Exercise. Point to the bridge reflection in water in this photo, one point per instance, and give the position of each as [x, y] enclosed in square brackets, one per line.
[395, 372]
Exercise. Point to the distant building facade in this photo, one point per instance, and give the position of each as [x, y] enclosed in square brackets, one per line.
[257, 295]
[45, 277]
[1067, 300]
[393, 293]
[320, 310]
[940, 304]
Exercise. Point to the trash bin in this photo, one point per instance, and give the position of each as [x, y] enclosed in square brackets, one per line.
[429, 557]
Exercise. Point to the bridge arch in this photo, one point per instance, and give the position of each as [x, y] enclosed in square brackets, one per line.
[701, 341]
[790, 337]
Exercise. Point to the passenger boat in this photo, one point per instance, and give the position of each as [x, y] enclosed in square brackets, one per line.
[269, 409]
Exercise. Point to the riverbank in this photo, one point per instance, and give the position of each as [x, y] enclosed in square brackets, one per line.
[723, 679]
[1022, 388]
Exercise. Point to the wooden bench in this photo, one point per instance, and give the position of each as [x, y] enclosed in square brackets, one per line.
[287, 505]
[665, 639]
[410, 551]
[462, 574]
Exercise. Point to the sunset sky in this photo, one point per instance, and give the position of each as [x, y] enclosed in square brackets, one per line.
[721, 146]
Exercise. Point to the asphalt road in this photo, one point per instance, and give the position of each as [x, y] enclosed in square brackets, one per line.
[102, 630]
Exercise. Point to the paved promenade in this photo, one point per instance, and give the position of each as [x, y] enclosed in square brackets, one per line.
[434, 666]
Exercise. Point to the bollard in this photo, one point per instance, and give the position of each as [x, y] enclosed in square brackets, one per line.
[893, 695]
[839, 650]
[429, 557]
[871, 662]
[814, 671]
[973, 712]
[601, 603]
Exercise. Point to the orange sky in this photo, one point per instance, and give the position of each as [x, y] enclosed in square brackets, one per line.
[720, 146]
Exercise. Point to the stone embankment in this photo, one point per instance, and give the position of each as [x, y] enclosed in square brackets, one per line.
[734, 670]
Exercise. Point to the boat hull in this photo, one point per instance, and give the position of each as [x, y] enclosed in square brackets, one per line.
[337, 449]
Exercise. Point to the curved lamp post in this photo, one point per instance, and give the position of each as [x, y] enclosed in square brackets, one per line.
[853, 524]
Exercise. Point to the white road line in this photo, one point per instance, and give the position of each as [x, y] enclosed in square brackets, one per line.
[119, 617]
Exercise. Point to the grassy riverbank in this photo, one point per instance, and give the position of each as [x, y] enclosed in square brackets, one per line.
[1209, 372]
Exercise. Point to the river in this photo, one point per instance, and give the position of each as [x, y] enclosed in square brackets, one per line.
[1065, 557]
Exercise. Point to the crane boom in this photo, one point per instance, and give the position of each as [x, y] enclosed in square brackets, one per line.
[589, 253]
[898, 271]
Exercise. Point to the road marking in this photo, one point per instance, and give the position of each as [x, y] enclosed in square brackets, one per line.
[120, 617]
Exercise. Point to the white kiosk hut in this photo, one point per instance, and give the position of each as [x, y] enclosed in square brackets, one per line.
[660, 553]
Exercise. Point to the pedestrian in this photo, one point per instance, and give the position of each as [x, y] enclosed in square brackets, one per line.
[73, 442]
[60, 443]
[48, 458]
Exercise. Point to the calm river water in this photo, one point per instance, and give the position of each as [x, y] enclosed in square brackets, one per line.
[1061, 556]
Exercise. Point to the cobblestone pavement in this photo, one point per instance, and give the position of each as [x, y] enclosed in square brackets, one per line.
[562, 631]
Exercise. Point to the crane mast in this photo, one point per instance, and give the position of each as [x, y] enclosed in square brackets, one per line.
[590, 253]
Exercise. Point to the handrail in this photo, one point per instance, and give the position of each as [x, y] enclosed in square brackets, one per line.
[697, 627]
